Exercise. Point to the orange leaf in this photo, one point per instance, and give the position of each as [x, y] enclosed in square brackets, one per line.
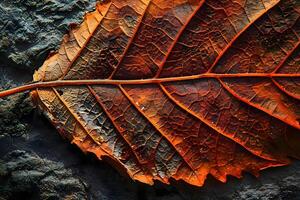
[179, 89]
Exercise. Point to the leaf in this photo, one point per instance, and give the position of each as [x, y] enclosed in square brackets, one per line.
[179, 89]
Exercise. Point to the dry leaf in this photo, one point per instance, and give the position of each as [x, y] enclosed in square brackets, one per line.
[179, 89]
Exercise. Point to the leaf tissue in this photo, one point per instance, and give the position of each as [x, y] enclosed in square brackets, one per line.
[179, 88]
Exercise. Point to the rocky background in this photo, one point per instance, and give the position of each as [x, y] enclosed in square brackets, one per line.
[36, 163]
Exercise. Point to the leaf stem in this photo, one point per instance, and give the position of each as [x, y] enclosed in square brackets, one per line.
[19, 89]
[57, 83]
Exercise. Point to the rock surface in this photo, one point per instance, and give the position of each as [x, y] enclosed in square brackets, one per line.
[37, 163]
[25, 174]
[30, 29]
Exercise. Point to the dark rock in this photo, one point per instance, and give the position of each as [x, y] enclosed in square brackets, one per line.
[30, 29]
[25, 175]
[13, 110]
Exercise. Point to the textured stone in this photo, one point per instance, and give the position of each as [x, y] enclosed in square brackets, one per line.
[12, 110]
[30, 29]
[26, 175]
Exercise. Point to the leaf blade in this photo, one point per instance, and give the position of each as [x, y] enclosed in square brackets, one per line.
[186, 123]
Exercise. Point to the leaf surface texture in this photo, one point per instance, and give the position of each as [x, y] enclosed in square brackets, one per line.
[186, 88]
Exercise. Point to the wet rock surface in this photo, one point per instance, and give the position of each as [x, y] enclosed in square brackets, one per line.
[36, 163]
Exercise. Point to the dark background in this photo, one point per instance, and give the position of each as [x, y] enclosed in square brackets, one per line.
[36, 163]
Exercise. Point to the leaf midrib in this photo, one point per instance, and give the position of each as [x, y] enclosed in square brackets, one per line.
[57, 83]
